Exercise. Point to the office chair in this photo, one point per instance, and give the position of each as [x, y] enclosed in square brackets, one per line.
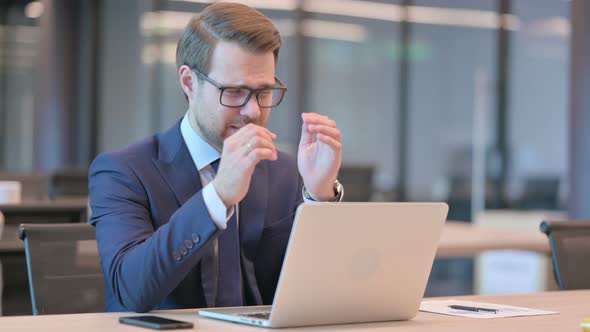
[357, 181]
[68, 183]
[1, 271]
[45, 212]
[570, 249]
[540, 192]
[63, 267]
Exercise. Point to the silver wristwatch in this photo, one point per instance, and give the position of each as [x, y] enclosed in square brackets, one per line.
[338, 189]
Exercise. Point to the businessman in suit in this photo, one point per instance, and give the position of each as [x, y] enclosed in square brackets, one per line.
[200, 215]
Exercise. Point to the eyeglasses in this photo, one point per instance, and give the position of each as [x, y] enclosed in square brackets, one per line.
[238, 96]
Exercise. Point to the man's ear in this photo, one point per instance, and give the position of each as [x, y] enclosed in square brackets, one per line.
[186, 80]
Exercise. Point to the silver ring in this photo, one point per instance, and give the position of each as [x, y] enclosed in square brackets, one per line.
[249, 146]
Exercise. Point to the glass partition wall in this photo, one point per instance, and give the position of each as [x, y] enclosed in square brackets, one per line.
[438, 100]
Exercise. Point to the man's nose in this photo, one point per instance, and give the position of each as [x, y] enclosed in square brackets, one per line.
[251, 110]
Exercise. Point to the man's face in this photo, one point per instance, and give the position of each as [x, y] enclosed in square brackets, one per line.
[230, 66]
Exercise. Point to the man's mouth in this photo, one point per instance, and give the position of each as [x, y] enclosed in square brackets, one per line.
[234, 129]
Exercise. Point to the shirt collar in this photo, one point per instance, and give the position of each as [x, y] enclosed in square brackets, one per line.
[202, 152]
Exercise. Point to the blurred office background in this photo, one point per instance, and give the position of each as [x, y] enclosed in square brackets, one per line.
[438, 100]
[428, 93]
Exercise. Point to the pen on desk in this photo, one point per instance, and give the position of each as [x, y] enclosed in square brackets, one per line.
[477, 309]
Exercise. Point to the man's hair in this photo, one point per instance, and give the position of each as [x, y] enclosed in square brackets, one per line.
[224, 21]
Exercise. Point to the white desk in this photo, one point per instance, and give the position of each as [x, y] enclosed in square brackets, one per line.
[500, 272]
[573, 307]
[467, 240]
[457, 240]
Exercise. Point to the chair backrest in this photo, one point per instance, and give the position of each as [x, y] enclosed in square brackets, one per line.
[540, 192]
[68, 183]
[63, 267]
[570, 249]
[357, 181]
[45, 212]
[1, 275]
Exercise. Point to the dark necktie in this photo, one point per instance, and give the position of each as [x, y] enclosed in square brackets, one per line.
[230, 277]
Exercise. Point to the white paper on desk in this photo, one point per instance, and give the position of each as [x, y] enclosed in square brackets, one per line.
[442, 307]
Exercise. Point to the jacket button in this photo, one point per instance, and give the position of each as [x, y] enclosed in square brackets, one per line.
[176, 255]
[189, 244]
[196, 238]
[183, 250]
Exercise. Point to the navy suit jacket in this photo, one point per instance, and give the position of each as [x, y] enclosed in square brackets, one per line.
[155, 235]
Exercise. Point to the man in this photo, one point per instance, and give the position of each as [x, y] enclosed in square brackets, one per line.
[200, 215]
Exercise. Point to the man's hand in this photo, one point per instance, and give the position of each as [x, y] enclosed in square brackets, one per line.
[241, 152]
[320, 155]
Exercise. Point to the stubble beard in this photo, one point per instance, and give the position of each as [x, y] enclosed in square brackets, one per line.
[209, 134]
[216, 139]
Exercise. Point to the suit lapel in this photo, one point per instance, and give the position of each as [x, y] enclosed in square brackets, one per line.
[176, 165]
[178, 169]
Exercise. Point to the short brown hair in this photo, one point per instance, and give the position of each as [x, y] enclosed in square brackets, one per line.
[225, 21]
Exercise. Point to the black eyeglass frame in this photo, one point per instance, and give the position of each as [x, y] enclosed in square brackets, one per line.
[221, 88]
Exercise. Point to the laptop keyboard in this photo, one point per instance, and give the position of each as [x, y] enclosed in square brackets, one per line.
[258, 315]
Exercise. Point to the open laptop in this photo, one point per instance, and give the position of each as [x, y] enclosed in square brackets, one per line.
[350, 263]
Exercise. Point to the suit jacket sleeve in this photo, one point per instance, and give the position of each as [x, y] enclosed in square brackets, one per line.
[142, 265]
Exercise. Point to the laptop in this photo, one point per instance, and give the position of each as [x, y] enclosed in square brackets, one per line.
[350, 263]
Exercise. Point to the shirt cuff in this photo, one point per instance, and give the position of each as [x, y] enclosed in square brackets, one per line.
[217, 210]
[307, 198]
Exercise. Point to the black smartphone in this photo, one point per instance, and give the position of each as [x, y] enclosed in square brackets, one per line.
[155, 322]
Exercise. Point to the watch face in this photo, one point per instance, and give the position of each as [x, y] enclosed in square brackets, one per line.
[338, 190]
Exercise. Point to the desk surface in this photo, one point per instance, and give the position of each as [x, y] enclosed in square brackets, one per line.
[465, 240]
[43, 205]
[572, 306]
[457, 240]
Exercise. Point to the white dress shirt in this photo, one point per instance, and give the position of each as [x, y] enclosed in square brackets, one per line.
[203, 154]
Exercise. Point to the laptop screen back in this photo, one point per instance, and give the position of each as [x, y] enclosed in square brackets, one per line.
[357, 262]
